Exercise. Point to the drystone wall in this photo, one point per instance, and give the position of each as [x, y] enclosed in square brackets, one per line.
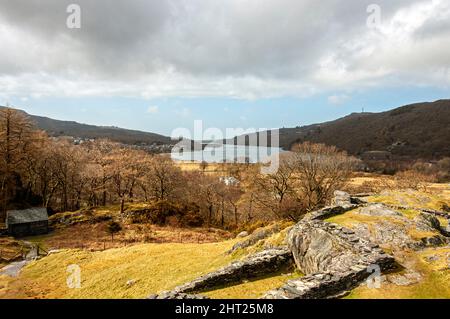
[257, 265]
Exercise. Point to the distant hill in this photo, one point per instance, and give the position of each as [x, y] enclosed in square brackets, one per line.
[419, 130]
[70, 128]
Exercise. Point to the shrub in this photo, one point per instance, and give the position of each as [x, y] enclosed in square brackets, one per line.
[113, 228]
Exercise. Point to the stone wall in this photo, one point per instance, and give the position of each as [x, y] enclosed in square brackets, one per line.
[330, 211]
[257, 265]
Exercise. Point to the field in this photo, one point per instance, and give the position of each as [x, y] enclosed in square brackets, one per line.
[153, 267]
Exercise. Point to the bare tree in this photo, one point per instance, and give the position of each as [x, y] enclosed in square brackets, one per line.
[274, 191]
[163, 178]
[127, 167]
[319, 171]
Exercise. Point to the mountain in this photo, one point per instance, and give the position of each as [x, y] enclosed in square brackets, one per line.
[70, 128]
[419, 130]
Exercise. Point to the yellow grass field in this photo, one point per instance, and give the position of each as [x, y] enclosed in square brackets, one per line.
[153, 267]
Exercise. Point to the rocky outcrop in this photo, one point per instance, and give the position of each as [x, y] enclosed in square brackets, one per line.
[395, 230]
[258, 235]
[319, 246]
[387, 233]
[424, 210]
[257, 265]
[379, 210]
[334, 259]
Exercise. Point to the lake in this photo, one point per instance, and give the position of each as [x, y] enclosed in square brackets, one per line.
[228, 153]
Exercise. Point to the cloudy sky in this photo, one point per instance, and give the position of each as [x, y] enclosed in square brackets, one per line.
[157, 65]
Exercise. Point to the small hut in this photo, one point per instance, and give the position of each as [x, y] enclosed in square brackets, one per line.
[27, 222]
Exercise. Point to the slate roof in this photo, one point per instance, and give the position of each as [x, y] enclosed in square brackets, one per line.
[30, 215]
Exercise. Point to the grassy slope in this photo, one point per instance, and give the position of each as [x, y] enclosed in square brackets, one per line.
[439, 195]
[154, 267]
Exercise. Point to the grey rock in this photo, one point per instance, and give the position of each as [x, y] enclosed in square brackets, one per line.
[407, 279]
[427, 222]
[258, 235]
[378, 210]
[341, 198]
[242, 234]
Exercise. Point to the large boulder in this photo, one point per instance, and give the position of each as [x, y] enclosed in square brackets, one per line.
[318, 246]
[316, 250]
[341, 198]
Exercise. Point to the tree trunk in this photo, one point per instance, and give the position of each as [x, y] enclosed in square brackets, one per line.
[122, 204]
[222, 218]
[210, 209]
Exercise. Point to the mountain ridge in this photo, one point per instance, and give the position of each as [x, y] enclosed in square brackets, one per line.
[57, 128]
[419, 130]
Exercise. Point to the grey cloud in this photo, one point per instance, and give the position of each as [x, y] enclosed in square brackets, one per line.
[277, 40]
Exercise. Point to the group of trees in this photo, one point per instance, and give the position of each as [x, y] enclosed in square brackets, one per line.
[38, 170]
[305, 180]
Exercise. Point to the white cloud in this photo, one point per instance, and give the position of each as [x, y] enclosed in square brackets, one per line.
[153, 109]
[338, 99]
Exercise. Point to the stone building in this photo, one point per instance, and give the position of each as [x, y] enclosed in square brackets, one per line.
[27, 222]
